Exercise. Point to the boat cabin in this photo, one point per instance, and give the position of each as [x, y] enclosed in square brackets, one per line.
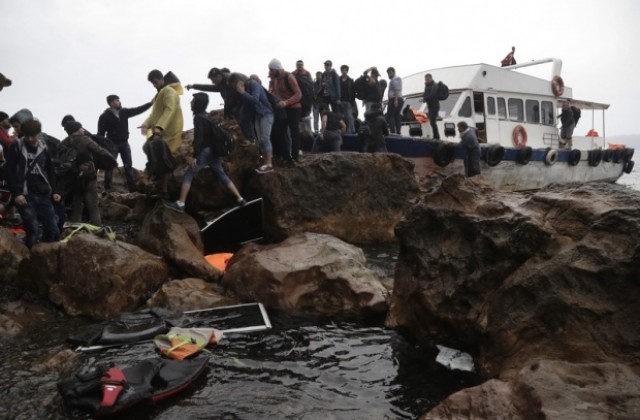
[506, 106]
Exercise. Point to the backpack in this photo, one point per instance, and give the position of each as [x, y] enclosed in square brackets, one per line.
[64, 160]
[220, 139]
[160, 161]
[306, 88]
[360, 87]
[443, 91]
[576, 114]
[278, 113]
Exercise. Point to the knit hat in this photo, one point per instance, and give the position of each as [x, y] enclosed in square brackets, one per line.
[111, 98]
[66, 119]
[21, 116]
[72, 126]
[275, 64]
[3, 116]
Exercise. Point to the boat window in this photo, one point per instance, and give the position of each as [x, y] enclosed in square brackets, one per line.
[502, 109]
[491, 105]
[533, 111]
[547, 113]
[465, 109]
[415, 102]
[516, 110]
[447, 105]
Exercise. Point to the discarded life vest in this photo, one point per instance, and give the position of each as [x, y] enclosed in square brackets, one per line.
[219, 260]
[112, 391]
[180, 343]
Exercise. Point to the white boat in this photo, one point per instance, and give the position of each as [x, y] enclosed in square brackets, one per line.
[516, 116]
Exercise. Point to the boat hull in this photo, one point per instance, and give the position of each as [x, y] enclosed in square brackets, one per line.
[508, 174]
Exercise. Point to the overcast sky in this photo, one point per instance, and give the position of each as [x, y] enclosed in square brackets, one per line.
[66, 56]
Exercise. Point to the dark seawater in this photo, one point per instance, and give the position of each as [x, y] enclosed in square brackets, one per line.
[305, 367]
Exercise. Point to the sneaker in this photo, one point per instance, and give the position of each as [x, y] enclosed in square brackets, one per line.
[175, 206]
[264, 169]
[241, 202]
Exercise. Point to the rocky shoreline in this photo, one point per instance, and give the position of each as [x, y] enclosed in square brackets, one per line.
[540, 287]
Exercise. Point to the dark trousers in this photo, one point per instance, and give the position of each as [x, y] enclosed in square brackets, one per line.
[433, 117]
[124, 150]
[293, 121]
[39, 209]
[86, 195]
[394, 115]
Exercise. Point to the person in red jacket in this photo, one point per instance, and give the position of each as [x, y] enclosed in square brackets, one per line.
[289, 96]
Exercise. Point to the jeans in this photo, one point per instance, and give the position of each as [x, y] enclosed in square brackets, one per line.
[330, 142]
[204, 159]
[433, 118]
[394, 116]
[39, 209]
[264, 123]
[124, 150]
[347, 110]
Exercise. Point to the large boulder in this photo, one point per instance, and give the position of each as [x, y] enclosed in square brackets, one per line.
[12, 251]
[549, 390]
[511, 276]
[357, 197]
[176, 237]
[93, 276]
[308, 271]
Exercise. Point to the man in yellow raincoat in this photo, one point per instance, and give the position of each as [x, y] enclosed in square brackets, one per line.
[165, 120]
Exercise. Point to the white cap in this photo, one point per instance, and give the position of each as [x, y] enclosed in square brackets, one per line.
[275, 64]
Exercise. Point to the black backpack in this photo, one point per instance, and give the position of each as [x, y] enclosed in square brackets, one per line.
[64, 159]
[220, 139]
[306, 88]
[576, 114]
[360, 87]
[443, 91]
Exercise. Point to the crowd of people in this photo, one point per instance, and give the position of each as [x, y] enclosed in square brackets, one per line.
[42, 185]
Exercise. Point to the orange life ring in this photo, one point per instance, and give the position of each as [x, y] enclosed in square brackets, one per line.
[557, 86]
[519, 136]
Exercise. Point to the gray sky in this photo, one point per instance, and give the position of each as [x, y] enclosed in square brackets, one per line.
[66, 56]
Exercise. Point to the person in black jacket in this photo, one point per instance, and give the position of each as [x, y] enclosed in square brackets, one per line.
[469, 143]
[430, 96]
[374, 130]
[114, 124]
[33, 184]
[203, 155]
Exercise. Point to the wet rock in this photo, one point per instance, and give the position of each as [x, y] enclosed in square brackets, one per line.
[176, 237]
[93, 276]
[9, 327]
[189, 294]
[12, 251]
[357, 197]
[59, 362]
[550, 390]
[512, 276]
[313, 272]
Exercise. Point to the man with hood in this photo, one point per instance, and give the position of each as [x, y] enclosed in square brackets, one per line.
[165, 120]
[33, 183]
[203, 154]
[233, 104]
[114, 124]
[372, 135]
[469, 143]
[85, 186]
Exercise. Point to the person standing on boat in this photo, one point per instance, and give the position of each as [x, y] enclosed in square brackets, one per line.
[509, 60]
[469, 143]
[376, 128]
[347, 97]
[568, 124]
[433, 103]
[202, 155]
[395, 101]
[371, 89]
